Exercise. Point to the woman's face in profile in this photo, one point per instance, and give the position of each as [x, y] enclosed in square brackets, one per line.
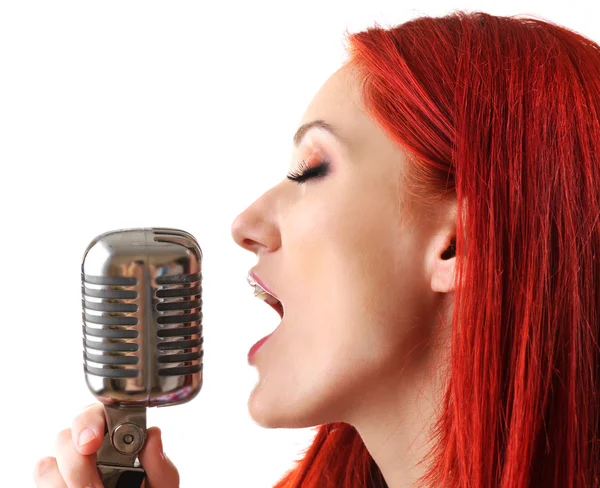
[348, 263]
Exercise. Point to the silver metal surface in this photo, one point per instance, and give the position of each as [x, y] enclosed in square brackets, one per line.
[121, 422]
[142, 332]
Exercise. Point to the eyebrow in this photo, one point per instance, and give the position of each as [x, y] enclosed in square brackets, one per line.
[304, 128]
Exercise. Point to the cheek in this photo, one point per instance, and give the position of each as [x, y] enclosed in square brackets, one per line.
[317, 246]
[354, 268]
[346, 272]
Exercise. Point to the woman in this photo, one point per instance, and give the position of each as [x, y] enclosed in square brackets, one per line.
[434, 251]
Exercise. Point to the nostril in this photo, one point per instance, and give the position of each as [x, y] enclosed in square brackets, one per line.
[249, 244]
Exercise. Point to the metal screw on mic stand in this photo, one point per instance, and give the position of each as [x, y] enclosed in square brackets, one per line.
[128, 438]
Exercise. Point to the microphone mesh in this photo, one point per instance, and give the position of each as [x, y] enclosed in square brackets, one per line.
[179, 305]
[109, 325]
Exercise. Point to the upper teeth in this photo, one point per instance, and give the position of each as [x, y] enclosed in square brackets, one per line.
[261, 293]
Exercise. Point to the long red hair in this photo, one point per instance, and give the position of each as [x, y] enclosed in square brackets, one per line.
[502, 113]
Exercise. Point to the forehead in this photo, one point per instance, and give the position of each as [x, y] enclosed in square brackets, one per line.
[339, 102]
[339, 92]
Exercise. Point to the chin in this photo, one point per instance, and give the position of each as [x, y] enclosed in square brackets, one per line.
[273, 413]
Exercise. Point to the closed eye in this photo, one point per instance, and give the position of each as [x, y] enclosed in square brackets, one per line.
[317, 171]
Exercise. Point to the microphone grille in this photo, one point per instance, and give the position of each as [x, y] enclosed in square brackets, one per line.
[142, 316]
[110, 326]
[179, 306]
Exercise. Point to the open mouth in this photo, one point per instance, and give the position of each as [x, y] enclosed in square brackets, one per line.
[272, 301]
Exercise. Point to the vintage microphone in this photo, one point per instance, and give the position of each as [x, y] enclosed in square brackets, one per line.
[142, 336]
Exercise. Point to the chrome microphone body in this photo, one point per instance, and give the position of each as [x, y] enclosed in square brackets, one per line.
[142, 335]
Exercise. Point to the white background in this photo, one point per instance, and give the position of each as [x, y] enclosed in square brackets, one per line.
[120, 114]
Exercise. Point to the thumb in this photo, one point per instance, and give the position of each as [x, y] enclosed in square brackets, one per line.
[160, 470]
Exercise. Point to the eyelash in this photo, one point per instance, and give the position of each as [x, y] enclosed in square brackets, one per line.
[305, 173]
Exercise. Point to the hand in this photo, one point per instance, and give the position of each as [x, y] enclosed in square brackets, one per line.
[75, 464]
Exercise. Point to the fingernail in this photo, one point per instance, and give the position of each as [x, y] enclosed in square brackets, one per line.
[86, 436]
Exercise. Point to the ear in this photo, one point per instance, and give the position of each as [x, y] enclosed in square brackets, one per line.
[443, 263]
[442, 254]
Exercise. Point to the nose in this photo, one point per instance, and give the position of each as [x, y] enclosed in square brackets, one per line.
[255, 229]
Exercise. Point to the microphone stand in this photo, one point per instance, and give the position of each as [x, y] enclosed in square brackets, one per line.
[124, 437]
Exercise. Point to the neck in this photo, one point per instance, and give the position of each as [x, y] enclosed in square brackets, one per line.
[395, 419]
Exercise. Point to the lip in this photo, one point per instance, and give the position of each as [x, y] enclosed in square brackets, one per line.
[263, 285]
[255, 348]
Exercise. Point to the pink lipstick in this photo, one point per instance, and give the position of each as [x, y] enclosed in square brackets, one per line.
[256, 347]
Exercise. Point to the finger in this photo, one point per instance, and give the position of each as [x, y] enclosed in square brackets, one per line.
[160, 470]
[88, 429]
[46, 474]
[76, 469]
